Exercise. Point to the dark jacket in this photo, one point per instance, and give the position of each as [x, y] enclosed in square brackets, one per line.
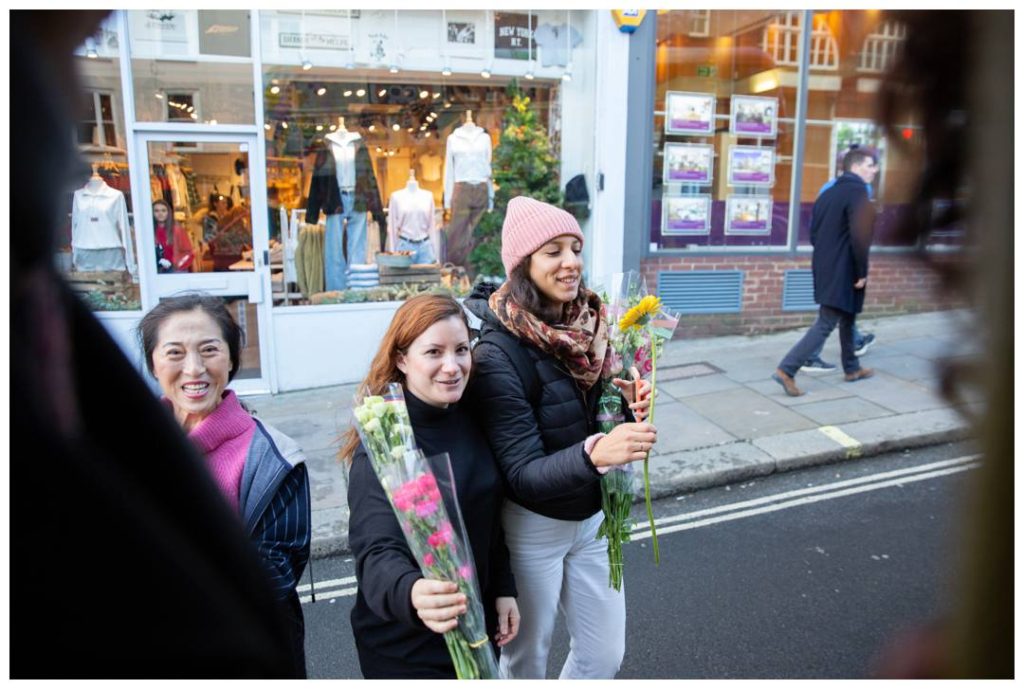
[166, 584]
[538, 442]
[841, 224]
[275, 503]
[391, 639]
[324, 194]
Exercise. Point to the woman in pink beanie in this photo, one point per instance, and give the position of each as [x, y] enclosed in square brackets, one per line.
[535, 388]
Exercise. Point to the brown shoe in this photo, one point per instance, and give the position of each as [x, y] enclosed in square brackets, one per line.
[787, 383]
[859, 374]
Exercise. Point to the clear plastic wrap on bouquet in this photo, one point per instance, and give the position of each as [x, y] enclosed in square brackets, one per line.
[616, 487]
[638, 327]
[643, 325]
[422, 494]
[617, 484]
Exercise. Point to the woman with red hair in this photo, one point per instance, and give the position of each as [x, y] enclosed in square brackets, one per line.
[400, 616]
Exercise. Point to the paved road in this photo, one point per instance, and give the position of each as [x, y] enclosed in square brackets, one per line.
[799, 575]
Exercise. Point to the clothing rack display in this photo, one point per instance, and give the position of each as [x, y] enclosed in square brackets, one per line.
[309, 259]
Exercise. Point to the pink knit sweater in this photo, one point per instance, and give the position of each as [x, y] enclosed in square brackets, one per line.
[224, 438]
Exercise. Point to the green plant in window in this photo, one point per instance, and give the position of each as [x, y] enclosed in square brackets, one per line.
[522, 165]
[97, 301]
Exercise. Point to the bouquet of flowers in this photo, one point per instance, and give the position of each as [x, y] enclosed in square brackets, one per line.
[638, 327]
[438, 542]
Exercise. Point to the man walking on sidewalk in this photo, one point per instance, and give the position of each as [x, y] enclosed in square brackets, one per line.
[841, 228]
[862, 341]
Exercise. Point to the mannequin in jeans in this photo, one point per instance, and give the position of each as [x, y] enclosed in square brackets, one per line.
[411, 222]
[344, 187]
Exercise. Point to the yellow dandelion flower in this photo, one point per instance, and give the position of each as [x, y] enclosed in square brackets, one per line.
[641, 313]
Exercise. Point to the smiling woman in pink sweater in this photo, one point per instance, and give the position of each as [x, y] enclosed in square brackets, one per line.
[192, 347]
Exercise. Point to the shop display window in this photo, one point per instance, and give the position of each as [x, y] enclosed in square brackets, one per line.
[724, 122]
[727, 80]
[98, 251]
[419, 153]
[201, 216]
[192, 66]
[841, 107]
[382, 130]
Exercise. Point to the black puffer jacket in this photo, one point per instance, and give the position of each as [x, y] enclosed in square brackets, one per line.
[538, 446]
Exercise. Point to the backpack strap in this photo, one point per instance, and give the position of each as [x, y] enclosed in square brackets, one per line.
[521, 361]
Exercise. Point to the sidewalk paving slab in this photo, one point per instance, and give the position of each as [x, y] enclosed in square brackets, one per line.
[681, 428]
[698, 385]
[817, 387]
[682, 472]
[832, 412]
[905, 366]
[804, 448]
[897, 395]
[746, 414]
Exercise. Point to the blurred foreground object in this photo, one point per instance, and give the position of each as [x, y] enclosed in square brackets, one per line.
[956, 76]
[125, 561]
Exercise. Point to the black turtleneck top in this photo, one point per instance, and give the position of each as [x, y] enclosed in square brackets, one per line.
[391, 639]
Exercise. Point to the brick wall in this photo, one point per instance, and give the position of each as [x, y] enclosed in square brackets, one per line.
[897, 284]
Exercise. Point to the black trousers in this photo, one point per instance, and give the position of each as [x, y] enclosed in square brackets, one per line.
[814, 339]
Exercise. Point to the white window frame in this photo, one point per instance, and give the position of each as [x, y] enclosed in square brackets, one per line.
[781, 40]
[698, 23]
[882, 46]
[97, 113]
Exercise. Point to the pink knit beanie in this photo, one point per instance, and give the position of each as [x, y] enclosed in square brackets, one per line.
[529, 225]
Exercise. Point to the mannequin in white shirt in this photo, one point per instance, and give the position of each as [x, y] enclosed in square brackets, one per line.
[411, 224]
[468, 191]
[352, 223]
[101, 237]
[95, 182]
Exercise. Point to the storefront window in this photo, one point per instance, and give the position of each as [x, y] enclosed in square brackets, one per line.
[98, 252]
[192, 66]
[201, 213]
[380, 162]
[725, 107]
[841, 107]
[726, 93]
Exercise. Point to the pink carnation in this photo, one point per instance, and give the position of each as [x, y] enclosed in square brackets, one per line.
[442, 536]
[425, 509]
[643, 360]
[428, 560]
[465, 572]
[426, 483]
[446, 532]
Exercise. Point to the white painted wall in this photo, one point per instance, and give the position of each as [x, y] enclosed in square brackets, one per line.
[609, 145]
[317, 346]
[577, 125]
[121, 326]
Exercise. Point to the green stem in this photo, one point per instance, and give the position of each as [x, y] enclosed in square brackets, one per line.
[647, 457]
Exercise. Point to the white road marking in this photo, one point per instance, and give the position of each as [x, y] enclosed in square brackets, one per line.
[803, 496]
[326, 583]
[806, 501]
[327, 595]
[809, 491]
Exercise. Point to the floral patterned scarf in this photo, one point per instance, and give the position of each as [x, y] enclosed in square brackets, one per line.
[580, 342]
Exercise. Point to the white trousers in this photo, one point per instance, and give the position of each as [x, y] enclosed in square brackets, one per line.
[561, 566]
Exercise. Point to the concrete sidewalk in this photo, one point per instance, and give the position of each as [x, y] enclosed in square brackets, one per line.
[720, 416]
